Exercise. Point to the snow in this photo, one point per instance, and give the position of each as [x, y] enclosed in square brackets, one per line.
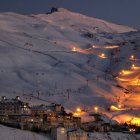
[7, 133]
[36, 55]
[112, 136]
[67, 19]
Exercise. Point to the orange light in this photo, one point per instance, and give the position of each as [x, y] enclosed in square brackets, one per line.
[119, 106]
[74, 49]
[132, 57]
[113, 108]
[123, 71]
[96, 108]
[78, 110]
[135, 82]
[102, 55]
[135, 121]
[126, 72]
[133, 66]
[112, 47]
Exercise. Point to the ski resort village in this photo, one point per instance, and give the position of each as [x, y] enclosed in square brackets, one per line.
[67, 76]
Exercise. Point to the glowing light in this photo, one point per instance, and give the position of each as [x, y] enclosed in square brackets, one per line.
[102, 55]
[32, 120]
[132, 57]
[94, 46]
[123, 79]
[125, 72]
[132, 130]
[96, 108]
[119, 106]
[79, 110]
[106, 47]
[134, 121]
[133, 66]
[74, 49]
[131, 81]
[135, 82]
[112, 47]
[114, 108]
[62, 130]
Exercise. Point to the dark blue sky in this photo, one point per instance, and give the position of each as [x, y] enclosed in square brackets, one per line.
[118, 11]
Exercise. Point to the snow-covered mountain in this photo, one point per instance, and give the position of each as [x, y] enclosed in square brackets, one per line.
[36, 60]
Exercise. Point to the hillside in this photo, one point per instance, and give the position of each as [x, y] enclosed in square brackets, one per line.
[113, 136]
[7, 133]
[39, 64]
[15, 134]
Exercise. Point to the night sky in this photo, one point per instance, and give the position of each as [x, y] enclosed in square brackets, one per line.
[117, 11]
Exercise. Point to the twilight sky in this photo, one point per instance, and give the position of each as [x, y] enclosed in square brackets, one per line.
[117, 11]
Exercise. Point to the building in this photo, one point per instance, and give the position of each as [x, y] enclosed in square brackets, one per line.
[59, 133]
[46, 109]
[77, 135]
[40, 110]
[14, 112]
[51, 116]
[96, 126]
[62, 133]
[14, 107]
[41, 117]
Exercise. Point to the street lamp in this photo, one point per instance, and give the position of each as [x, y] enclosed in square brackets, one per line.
[133, 66]
[96, 108]
[132, 57]
[78, 110]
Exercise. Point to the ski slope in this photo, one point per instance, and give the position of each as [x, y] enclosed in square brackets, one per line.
[39, 64]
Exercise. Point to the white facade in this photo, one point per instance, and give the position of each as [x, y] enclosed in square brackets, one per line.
[77, 135]
[62, 133]
[59, 133]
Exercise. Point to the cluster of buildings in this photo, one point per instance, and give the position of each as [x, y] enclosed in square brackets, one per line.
[20, 114]
[54, 119]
